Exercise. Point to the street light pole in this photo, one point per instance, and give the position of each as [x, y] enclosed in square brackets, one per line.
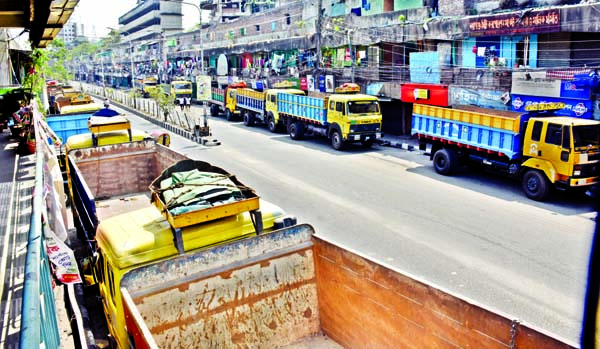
[200, 31]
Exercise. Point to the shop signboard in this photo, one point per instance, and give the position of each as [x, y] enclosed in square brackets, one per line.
[431, 94]
[566, 107]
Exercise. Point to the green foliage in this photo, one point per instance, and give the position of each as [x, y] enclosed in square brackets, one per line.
[57, 55]
[34, 79]
[166, 103]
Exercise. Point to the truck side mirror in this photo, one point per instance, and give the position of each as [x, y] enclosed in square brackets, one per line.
[87, 267]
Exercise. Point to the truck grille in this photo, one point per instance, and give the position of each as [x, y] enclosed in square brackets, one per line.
[593, 156]
[589, 170]
[364, 128]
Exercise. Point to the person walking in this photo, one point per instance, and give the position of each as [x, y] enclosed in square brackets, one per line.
[181, 103]
[188, 103]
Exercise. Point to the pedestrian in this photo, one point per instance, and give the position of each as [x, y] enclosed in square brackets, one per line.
[188, 103]
[181, 102]
[106, 102]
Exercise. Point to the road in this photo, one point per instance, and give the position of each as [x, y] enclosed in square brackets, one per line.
[473, 234]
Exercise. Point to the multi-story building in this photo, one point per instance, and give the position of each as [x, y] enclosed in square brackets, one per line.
[483, 53]
[69, 32]
[150, 19]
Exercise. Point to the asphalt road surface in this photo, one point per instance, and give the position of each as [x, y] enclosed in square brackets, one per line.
[473, 234]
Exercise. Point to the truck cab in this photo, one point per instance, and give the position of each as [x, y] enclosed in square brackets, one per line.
[353, 116]
[565, 149]
[181, 88]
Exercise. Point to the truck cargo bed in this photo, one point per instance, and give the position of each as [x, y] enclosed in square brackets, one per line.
[121, 204]
[284, 289]
[494, 133]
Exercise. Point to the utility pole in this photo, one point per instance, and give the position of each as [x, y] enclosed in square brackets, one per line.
[319, 24]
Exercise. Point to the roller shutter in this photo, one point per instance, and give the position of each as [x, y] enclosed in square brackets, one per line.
[585, 49]
[554, 52]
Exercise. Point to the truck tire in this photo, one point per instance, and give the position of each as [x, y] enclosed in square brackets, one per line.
[248, 119]
[337, 142]
[445, 161]
[214, 110]
[296, 131]
[535, 185]
[228, 115]
[271, 125]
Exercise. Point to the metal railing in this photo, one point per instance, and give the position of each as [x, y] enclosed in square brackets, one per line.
[39, 324]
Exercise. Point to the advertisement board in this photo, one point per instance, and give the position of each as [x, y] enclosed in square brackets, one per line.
[329, 85]
[202, 87]
[425, 94]
[568, 107]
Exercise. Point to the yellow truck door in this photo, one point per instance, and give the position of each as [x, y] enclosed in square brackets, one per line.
[544, 141]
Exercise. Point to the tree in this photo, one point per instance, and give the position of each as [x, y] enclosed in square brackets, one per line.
[166, 103]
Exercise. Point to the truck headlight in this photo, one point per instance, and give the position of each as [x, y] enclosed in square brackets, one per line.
[577, 173]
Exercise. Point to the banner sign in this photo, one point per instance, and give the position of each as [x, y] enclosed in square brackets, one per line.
[544, 21]
[568, 107]
[202, 88]
[478, 97]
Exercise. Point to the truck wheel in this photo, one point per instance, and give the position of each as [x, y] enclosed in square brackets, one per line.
[445, 161]
[214, 110]
[228, 115]
[337, 142]
[271, 124]
[248, 119]
[367, 143]
[536, 185]
[296, 131]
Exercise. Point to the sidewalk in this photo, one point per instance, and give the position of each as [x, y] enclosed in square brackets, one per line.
[405, 142]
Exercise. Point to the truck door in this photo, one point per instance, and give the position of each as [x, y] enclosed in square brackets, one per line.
[555, 146]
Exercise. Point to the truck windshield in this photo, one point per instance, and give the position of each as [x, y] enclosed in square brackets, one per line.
[151, 83]
[182, 86]
[363, 107]
[586, 136]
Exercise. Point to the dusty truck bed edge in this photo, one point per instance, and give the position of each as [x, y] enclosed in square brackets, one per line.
[280, 288]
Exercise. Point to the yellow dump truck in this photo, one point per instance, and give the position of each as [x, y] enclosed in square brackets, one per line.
[344, 117]
[261, 106]
[540, 149]
[180, 89]
[126, 225]
[147, 85]
[224, 99]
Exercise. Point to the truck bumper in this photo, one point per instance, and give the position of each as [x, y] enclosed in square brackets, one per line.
[353, 137]
[581, 182]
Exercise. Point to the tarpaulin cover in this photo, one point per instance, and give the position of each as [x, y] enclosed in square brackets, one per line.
[106, 112]
[195, 190]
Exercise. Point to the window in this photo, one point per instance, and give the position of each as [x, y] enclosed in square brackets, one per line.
[586, 136]
[554, 134]
[363, 107]
[288, 19]
[100, 267]
[242, 31]
[257, 27]
[273, 98]
[339, 106]
[536, 133]
[273, 26]
[111, 283]
[331, 105]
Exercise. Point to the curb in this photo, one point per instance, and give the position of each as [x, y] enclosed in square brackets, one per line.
[171, 128]
[396, 144]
